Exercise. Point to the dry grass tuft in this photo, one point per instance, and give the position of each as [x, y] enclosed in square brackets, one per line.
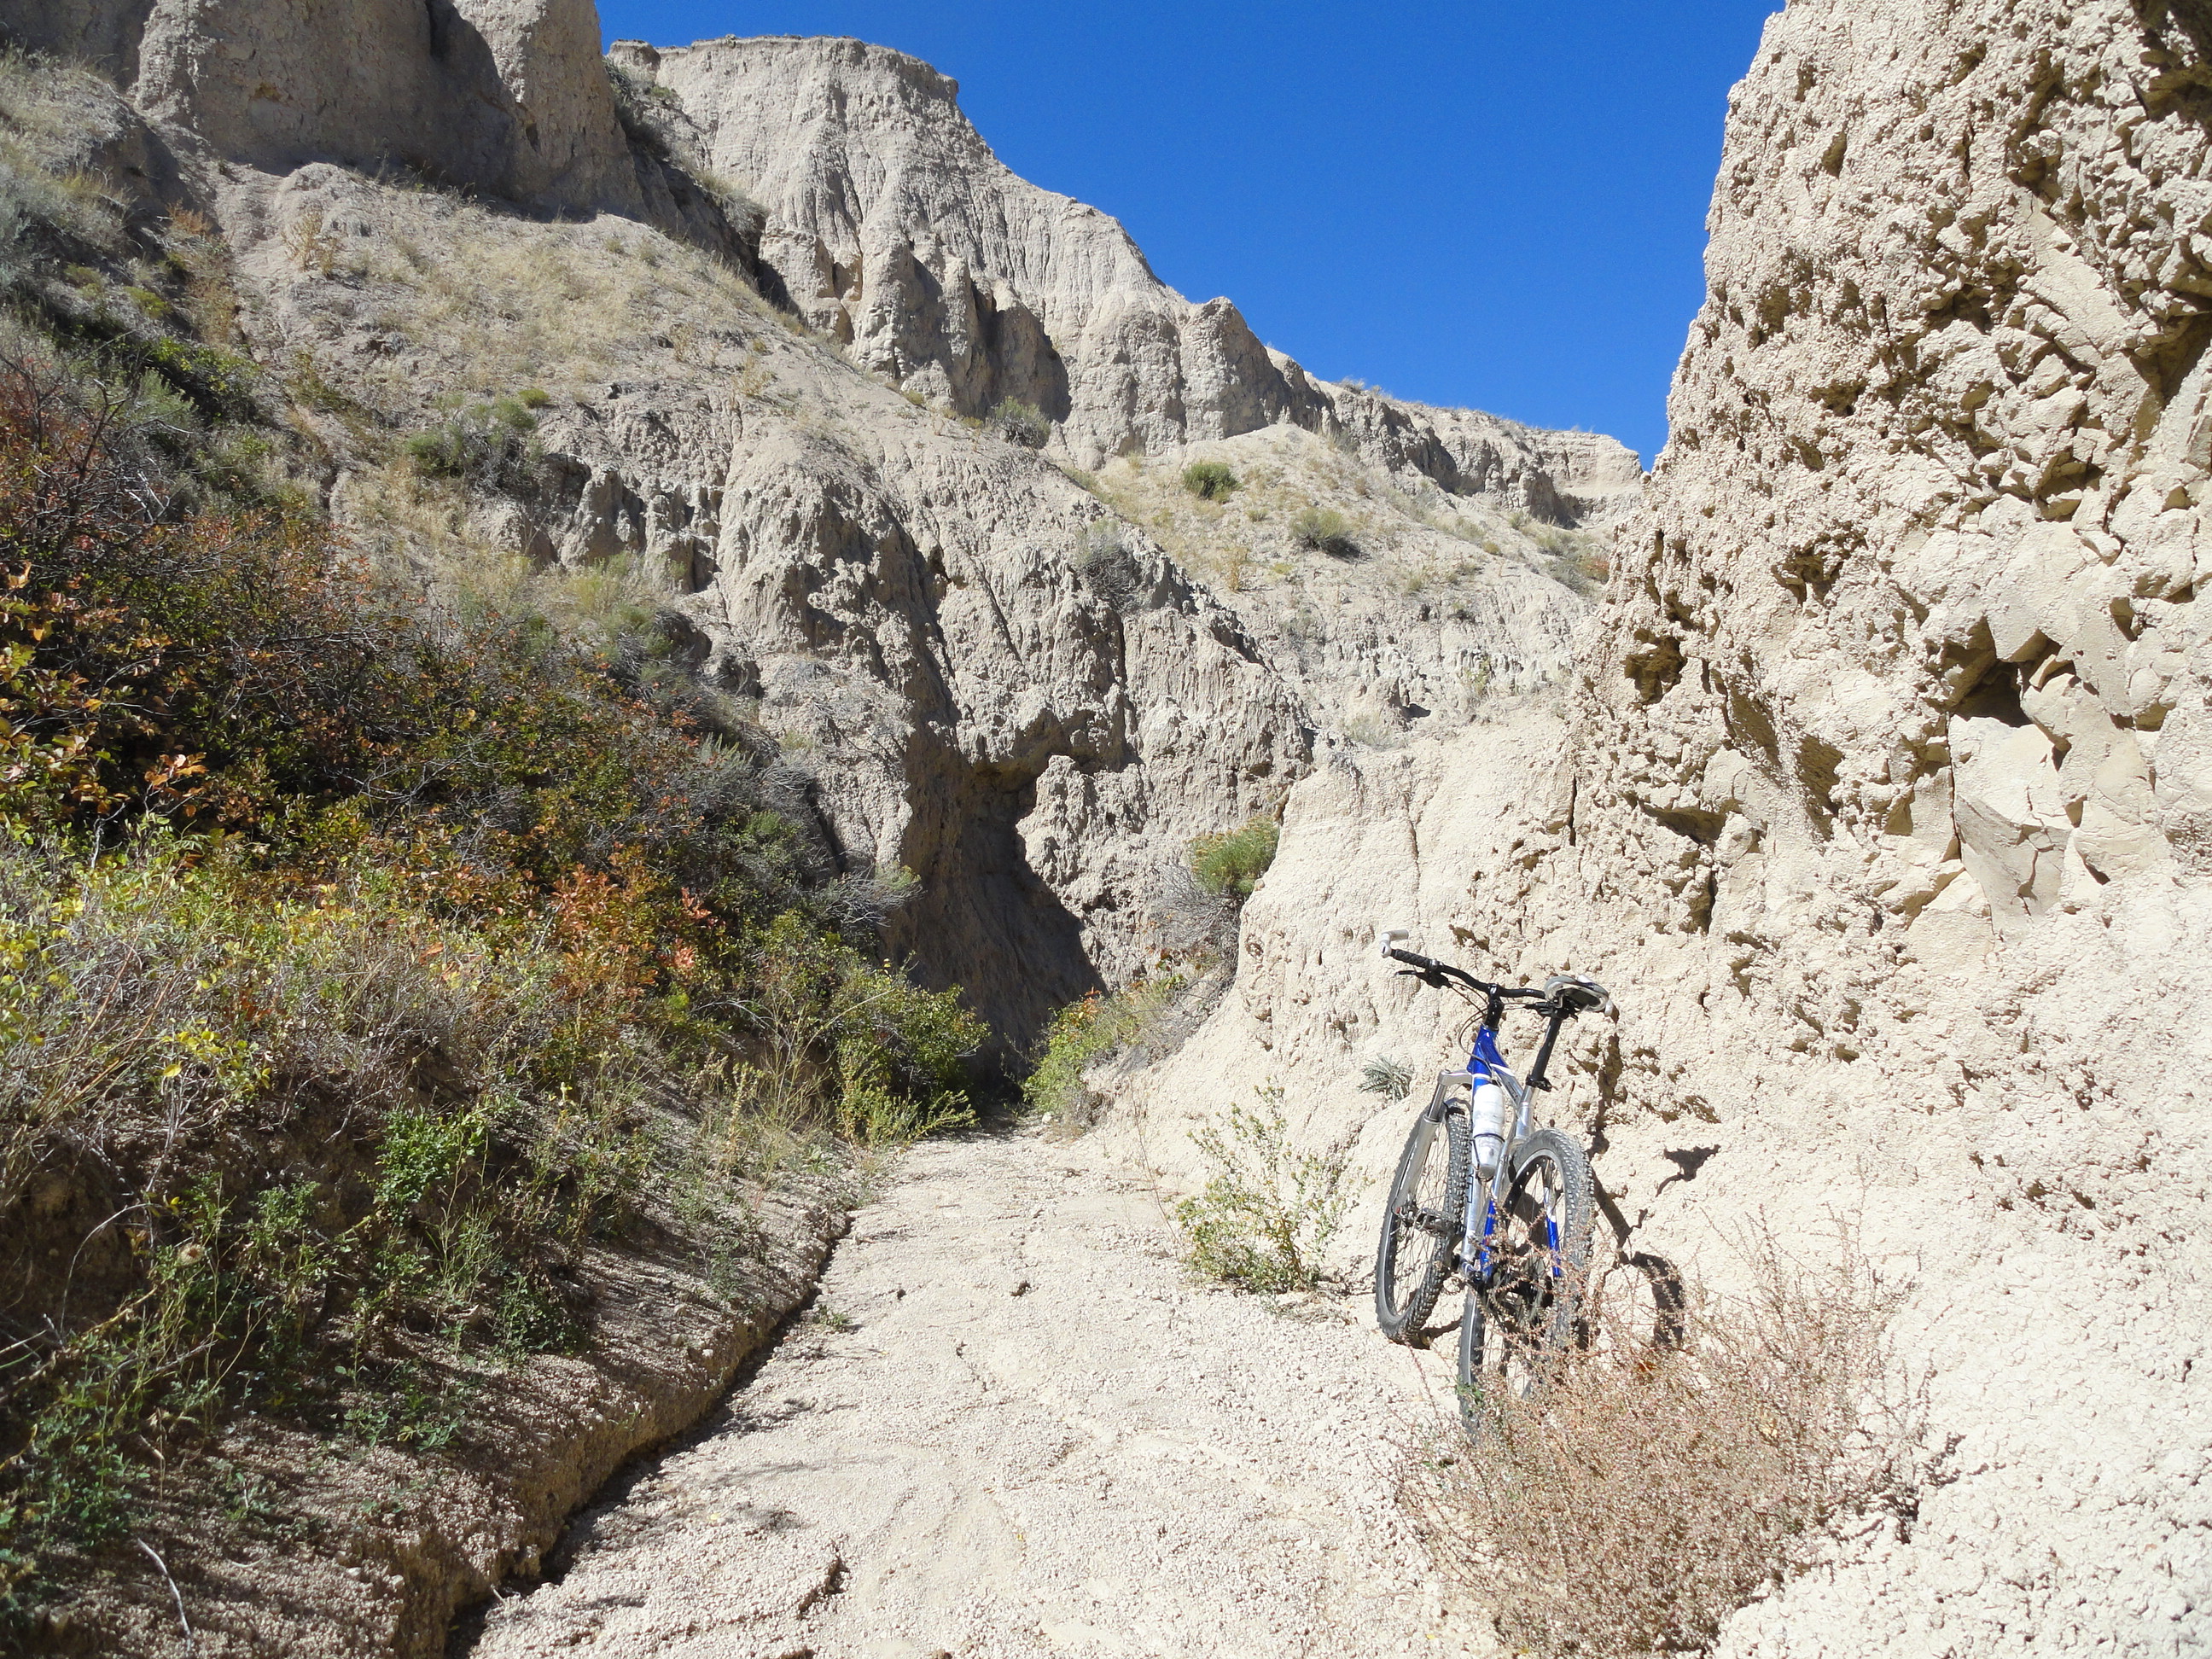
[1651, 1490]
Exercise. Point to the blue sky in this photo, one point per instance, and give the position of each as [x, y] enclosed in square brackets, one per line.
[1484, 203]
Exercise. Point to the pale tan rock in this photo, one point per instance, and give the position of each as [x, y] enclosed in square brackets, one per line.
[506, 96]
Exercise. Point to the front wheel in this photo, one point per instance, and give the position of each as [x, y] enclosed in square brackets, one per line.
[1515, 1328]
[1421, 1226]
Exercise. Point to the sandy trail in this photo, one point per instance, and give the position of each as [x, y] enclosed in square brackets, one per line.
[1011, 1426]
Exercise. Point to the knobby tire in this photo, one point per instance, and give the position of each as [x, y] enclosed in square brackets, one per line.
[1513, 1333]
[1421, 1224]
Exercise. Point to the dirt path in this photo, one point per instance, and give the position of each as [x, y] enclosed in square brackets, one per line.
[1013, 1427]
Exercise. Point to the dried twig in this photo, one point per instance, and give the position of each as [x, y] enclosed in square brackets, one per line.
[151, 1555]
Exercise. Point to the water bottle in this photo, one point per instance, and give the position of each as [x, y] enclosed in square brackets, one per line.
[1487, 1121]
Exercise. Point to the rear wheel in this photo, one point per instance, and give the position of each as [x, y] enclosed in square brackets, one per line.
[1421, 1228]
[1514, 1330]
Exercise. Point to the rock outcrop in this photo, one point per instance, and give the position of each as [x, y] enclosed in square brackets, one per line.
[898, 598]
[1883, 803]
[504, 96]
[895, 229]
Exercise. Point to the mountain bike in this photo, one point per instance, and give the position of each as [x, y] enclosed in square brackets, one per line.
[1484, 1196]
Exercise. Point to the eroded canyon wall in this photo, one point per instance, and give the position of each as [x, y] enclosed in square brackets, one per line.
[426, 208]
[1880, 804]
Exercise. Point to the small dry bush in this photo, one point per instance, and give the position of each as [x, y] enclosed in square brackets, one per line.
[1021, 423]
[1111, 564]
[1268, 1211]
[1650, 1490]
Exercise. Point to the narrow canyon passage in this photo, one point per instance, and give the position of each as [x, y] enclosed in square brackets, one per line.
[1011, 1425]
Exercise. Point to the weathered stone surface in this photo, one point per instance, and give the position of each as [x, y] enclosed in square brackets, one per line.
[506, 96]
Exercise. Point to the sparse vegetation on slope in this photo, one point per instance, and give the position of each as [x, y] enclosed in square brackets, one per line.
[1082, 1034]
[424, 937]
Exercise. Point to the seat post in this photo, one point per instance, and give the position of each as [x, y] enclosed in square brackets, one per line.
[1538, 1077]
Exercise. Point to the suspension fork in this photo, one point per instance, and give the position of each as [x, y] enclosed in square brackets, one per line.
[1481, 1230]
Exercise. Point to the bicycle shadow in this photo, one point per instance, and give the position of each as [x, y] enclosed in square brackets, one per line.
[1669, 1297]
[1669, 1300]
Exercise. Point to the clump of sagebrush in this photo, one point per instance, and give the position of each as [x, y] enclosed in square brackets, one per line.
[490, 445]
[1654, 1487]
[1022, 423]
[1231, 863]
[1325, 530]
[351, 949]
[1211, 481]
[1267, 1212]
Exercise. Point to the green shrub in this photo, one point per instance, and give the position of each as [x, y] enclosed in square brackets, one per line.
[1325, 530]
[889, 1056]
[1230, 864]
[644, 108]
[181, 988]
[1266, 1213]
[368, 939]
[1212, 481]
[1391, 1078]
[1021, 423]
[219, 383]
[487, 444]
[1084, 1033]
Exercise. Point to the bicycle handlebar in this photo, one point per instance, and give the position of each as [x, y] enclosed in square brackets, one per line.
[1430, 971]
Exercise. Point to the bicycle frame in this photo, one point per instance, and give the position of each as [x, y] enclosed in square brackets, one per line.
[1486, 1064]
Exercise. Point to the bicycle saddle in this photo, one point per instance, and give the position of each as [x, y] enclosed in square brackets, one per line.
[1578, 992]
